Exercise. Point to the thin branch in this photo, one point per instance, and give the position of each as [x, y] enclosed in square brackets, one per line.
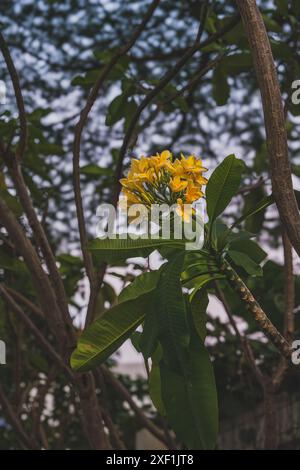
[43, 342]
[289, 294]
[193, 82]
[19, 97]
[26, 302]
[123, 392]
[41, 240]
[40, 279]
[251, 187]
[14, 420]
[247, 349]
[256, 310]
[13, 163]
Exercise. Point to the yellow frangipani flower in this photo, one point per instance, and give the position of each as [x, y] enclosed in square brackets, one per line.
[147, 176]
[161, 177]
[164, 160]
[199, 179]
[192, 164]
[193, 193]
[177, 168]
[131, 184]
[177, 184]
[185, 211]
[144, 164]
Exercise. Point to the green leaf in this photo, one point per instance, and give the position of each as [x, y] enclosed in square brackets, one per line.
[221, 88]
[171, 313]
[282, 7]
[296, 170]
[151, 331]
[106, 335]
[95, 170]
[253, 207]
[116, 109]
[155, 382]
[191, 400]
[118, 248]
[198, 309]
[250, 248]
[243, 260]
[222, 185]
[238, 63]
[142, 284]
[12, 202]
[296, 7]
[129, 112]
[201, 281]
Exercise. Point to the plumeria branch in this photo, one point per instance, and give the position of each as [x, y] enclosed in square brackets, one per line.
[256, 310]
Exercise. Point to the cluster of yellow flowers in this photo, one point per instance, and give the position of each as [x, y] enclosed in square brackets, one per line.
[164, 179]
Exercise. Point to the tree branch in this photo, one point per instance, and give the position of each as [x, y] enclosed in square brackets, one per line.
[19, 97]
[255, 309]
[40, 279]
[123, 392]
[280, 171]
[45, 345]
[27, 441]
[248, 352]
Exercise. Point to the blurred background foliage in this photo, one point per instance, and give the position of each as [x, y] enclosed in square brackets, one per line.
[59, 48]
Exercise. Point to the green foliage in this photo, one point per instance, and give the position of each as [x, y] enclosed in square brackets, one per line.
[118, 249]
[221, 88]
[59, 49]
[190, 399]
[222, 186]
[181, 381]
[109, 332]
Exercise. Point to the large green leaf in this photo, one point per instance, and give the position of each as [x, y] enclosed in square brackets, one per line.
[143, 284]
[190, 399]
[171, 312]
[223, 185]
[116, 249]
[107, 334]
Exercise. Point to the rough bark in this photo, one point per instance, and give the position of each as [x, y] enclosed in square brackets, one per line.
[276, 136]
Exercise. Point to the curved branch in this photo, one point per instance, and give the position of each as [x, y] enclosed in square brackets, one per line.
[28, 441]
[43, 342]
[19, 97]
[280, 171]
[40, 279]
[13, 163]
[123, 392]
